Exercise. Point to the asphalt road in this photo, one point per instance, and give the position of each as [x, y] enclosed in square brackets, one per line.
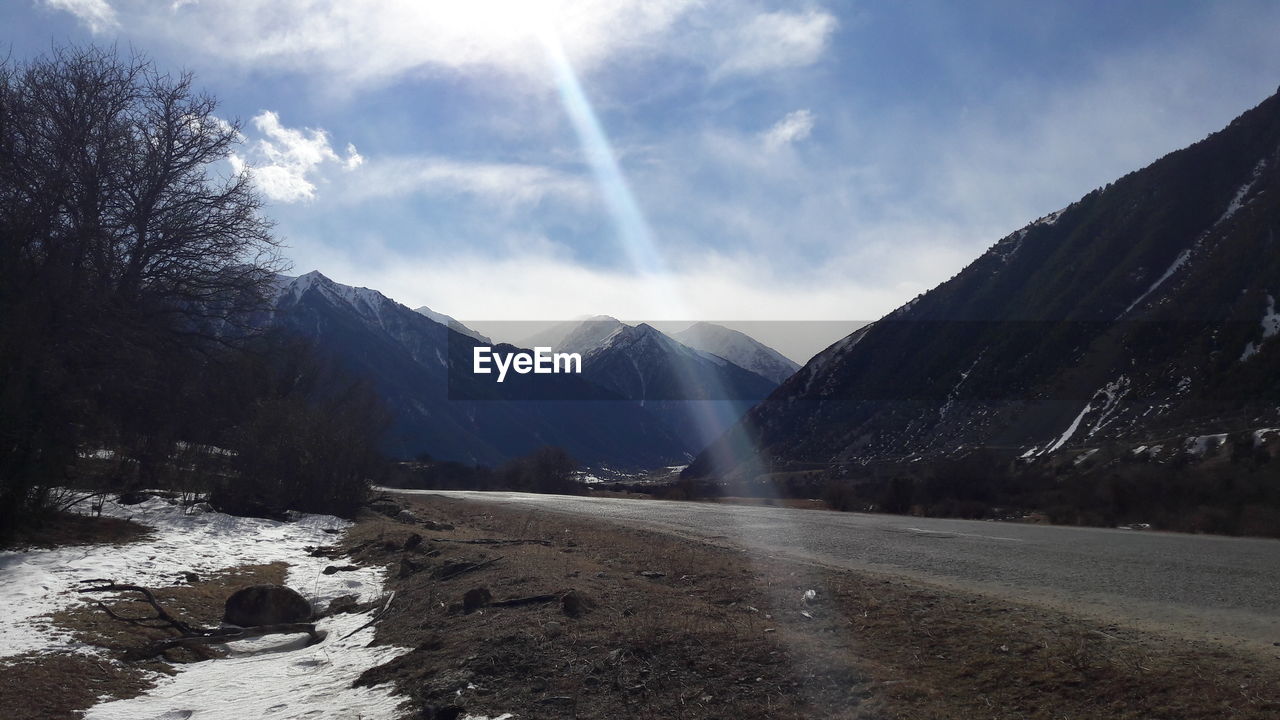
[1193, 585]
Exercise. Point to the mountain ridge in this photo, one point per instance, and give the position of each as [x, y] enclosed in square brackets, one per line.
[1123, 314]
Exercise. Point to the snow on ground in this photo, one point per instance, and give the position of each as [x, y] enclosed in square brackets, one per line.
[273, 676]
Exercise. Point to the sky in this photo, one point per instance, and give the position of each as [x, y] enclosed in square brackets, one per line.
[680, 159]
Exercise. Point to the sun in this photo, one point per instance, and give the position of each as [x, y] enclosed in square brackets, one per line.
[496, 22]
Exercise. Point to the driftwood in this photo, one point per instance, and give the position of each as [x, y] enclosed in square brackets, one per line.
[189, 634]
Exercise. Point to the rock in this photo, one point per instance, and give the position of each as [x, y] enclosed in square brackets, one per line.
[339, 568]
[441, 712]
[810, 597]
[436, 526]
[342, 604]
[409, 567]
[652, 574]
[412, 541]
[574, 603]
[133, 498]
[266, 605]
[474, 599]
[190, 577]
[553, 629]
[406, 516]
[385, 507]
[200, 508]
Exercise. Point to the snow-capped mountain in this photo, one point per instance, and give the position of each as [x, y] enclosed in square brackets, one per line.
[697, 394]
[738, 348]
[452, 324]
[407, 356]
[1145, 310]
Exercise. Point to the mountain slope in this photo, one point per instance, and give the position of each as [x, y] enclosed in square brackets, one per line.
[740, 349]
[1144, 310]
[452, 324]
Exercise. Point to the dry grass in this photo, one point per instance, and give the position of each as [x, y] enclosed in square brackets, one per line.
[722, 635]
[66, 528]
[57, 687]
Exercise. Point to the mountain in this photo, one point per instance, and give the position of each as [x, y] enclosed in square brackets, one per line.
[452, 324]
[740, 349]
[1142, 314]
[698, 395]
[460, 416]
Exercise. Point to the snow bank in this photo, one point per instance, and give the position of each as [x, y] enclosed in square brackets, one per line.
[275, 676]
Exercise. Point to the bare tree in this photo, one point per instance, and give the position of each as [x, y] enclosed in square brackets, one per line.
[122, 248]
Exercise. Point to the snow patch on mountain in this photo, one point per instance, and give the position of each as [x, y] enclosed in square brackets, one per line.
[452, 324]
[1270, 327]
[738, 348]
[1177, 264]
[1237, 201]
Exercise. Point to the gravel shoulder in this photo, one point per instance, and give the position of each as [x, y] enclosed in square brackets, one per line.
[1200, 587]
[668, 627]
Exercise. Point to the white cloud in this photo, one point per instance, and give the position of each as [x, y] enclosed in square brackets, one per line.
[506, 184]
[776, 40]
[354, 158]
[285, 159]
[791, 128]
[354, 44]
[96, 14]
[375, 41]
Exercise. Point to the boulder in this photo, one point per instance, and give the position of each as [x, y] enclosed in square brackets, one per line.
[266, 605]
[474, 599]
[385, 507]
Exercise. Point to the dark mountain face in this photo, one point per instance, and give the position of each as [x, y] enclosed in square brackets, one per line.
[406, 355]
[1144, 312]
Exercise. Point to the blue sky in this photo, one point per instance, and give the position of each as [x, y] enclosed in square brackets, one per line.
[760, 161]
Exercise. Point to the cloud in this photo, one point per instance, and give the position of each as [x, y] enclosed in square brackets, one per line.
[285, 159]
[376, 41]
[776, 40]
[96, 14]
[354, 158]
[505, 184]
[356, 44]
[793, 127]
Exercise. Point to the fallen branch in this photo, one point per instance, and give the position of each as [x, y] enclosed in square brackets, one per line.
[161, 614]
[531, 600]
[375, 618]
[492, 541]
[190, 634]
[448, 571]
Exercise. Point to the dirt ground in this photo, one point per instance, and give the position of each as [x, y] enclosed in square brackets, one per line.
[548, 616]
[654, 626]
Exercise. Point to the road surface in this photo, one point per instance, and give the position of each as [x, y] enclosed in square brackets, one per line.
[1194, 585]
